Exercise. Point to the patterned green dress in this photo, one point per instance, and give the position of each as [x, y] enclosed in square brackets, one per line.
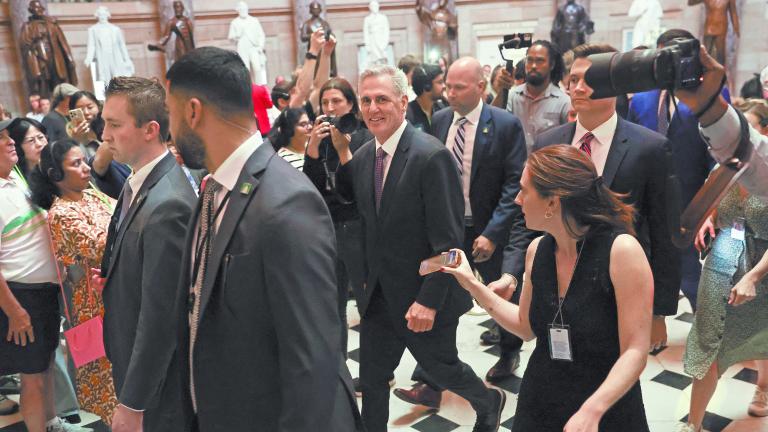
[723, 333]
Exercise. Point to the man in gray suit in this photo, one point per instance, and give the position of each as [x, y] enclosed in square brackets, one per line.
[260, 330]
[142, 260]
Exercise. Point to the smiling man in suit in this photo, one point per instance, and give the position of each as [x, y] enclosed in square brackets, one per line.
[260, 332]
[142, 259]
[487, 145]
[409, 195]
[632, 160]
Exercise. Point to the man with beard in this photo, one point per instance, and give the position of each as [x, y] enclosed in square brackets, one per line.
[428, 85]
[142, 259]
[259, 326]
[539, 103]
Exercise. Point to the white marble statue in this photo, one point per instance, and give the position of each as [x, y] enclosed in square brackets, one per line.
[648, 24]
[107, 54]
[246, 31]
[376, 35]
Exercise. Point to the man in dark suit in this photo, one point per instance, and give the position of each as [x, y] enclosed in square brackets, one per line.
[142, 259]
[257, 296]
[488, 149]
[408, 193]
[633, 160]
[655, 110]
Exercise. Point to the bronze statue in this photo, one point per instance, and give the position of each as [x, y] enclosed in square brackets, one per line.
[444, 29]
[182, 27]
[313, 24]
[45, 52]
[571, 26]
[716, 25]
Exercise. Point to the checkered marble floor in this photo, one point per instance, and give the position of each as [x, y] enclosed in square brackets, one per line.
[666, 388]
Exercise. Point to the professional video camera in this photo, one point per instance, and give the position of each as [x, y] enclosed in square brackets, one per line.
[515, 41]
[676, 66]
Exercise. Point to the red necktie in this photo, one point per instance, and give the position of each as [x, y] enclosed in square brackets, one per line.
[586, 143]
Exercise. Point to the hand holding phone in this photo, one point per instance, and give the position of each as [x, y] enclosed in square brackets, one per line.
[445, 259]
[76, 116]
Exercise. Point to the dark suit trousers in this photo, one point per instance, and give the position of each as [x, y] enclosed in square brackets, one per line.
[350, 270]
[385, 336]
[490, 271]
[690, 272]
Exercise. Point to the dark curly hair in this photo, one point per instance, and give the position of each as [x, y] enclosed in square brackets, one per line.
[97, 124]
[555, 60]
[41, 182]
[18, 132]
[285, 127]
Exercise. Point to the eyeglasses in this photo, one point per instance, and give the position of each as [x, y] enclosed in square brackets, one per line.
[37, 138]
[304, 124]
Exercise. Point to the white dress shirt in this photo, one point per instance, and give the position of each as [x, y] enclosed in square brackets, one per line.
[390, 146]
[601, 144]
[137, 179]
[723, 137]
[470, 127]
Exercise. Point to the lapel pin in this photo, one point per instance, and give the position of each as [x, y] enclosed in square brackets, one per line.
[485, 130]
[246, 188]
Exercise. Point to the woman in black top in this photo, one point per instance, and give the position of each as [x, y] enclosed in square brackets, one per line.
[337, 98]
[587, 299]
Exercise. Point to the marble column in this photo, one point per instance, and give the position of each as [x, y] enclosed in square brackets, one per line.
[19, 15]
[165, 11]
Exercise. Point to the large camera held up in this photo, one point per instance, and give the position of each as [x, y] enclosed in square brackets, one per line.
[676, 66]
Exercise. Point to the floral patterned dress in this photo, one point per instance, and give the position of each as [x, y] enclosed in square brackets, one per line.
[79, 231]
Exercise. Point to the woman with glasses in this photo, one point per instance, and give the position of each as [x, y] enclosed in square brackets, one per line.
[29, 136]
[289, 136]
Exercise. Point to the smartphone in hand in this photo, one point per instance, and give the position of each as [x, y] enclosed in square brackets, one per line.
[76, 116]
[431, 265]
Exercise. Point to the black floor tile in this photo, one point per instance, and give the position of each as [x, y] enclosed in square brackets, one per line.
[435, 423]
[354, 355]
[510, 384]
[355, 327]
[712, 422]
[509, 423]
[747, 375]
[657, 351]
[685, 317]
[495, 350]
[673, 379]
[97, 426]
[488, 323]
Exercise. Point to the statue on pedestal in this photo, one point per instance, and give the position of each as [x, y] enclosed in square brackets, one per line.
[246, 31]
[571, 26]
[182, 28]
[45, 52]
[312, 24]
[106, 49]
[376, 35]
[648, 25]
[716, 25]
[444, 29]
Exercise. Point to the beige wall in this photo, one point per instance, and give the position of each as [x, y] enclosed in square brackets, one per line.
[482, 23]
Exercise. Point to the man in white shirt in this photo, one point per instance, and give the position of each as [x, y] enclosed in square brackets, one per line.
[633, 160]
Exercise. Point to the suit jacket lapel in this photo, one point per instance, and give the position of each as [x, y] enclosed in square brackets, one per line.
[618, 150]
[483, 131]
[395, 170]
[441, 129]
[158, 172]
[238, 201]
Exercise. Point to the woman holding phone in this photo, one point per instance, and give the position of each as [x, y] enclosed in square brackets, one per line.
[587, 299]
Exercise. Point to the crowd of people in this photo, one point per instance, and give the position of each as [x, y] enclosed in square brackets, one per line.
[213, 232]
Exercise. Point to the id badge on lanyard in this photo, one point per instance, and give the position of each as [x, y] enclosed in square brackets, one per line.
[738, 229]
[560, 342]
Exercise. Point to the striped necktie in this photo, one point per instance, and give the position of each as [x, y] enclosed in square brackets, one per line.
[586, 143]
[458, 144]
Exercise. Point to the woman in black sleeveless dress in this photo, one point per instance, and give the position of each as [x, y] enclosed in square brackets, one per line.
[587, 300]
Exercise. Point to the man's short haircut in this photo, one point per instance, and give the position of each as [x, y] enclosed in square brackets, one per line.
[407, 63]
[586, 50]
[668, 35]
[146, 100]
[399, 80]
[215, 76]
